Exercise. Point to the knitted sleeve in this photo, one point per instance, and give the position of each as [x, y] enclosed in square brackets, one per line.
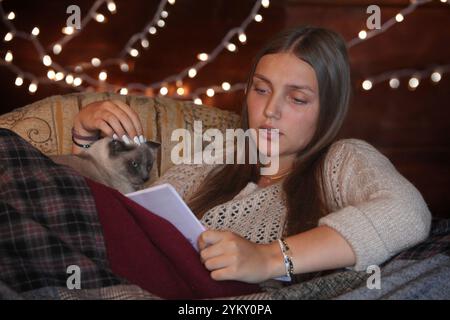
[378, 211]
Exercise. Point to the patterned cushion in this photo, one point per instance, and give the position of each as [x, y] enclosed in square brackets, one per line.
[47, 123]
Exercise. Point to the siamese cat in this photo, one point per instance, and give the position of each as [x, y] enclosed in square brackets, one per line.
[114, 163]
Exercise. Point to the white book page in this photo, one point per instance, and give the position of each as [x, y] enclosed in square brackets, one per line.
[164, 201]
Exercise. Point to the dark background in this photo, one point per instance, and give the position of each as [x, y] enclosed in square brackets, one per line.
[409, 127]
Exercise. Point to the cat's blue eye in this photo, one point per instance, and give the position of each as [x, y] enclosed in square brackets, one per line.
[134, 164]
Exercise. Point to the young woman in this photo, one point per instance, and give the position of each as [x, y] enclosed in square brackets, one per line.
[332, 204]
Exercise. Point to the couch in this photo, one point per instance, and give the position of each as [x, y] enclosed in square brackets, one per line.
[422, 272]
[47, 123]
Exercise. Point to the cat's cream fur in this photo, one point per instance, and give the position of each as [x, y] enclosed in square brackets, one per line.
[113, 163]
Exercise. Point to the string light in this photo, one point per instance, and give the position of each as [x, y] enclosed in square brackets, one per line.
[9, 56]
[51, 74]
[413, 83]
[202, 56]
[57, 48]
[32, 87]
[111, 6]
[210, 92]
[394, 83]
[35, 31]
[164, 91]
[8, 37]
[11, 15]
[134, 52]
[436, 77]
[102, 76]
[362, 34]
[367, 85]
[100, 18]
[95, 62]
[231, 47]
[198, 101]
[47, 61]
[69, 79]
[68, 30]
[123, 91]
[19, 81]
[193, 70]
[399, 17]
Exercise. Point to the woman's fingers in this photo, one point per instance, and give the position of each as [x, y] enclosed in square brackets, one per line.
[132, 115]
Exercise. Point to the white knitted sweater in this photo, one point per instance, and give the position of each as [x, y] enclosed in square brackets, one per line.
[370, 204]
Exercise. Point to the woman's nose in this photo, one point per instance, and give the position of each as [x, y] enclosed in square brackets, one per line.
[272, 109]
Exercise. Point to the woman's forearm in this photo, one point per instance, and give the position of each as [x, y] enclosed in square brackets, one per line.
[321, 248]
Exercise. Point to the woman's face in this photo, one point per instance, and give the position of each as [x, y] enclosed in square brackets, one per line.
[284, 94]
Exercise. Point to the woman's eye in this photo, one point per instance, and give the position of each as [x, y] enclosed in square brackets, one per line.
[298, 101]
[260, 90]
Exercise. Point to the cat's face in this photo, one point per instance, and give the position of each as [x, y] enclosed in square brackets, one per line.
[133, 162]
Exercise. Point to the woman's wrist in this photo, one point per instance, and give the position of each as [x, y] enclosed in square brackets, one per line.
[274, 260]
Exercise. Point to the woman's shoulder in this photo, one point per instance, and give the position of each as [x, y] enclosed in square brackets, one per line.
[341, 151]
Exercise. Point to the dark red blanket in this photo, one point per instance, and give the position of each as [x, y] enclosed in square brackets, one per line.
[150, 252]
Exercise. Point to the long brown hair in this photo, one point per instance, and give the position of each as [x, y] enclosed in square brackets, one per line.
[326, 52]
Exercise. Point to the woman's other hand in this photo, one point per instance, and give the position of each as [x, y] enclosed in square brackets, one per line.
[230, 257]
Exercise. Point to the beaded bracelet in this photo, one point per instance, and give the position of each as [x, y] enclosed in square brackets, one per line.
[287, 259]
[86, 138]
[85, 146]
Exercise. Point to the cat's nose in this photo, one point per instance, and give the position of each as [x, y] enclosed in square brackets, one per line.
[145, 178]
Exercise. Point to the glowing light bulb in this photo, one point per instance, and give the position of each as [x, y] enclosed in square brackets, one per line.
[231, 47]
[9, 56]
[164, 91]
[8, 37]
[161, 23]
[202, 56]
[124, 67]
[399, 17]
[59, 76]
[134, 52]
[436, 77]
[51, 74]
[210, 92]
[362, 34]
[226, 86]
[96, 62]
[68, 30]
[198, 101]
[242, 37]
[57, 48]
[112, 7]
[172, 2]
[32, 87]
[152, 30]
[413, 83]
[78, 69]
[77, 81]
[192, 73]
[123, 91]
[394, 83]
[100, 18]
[164, 14]
[265, 3]
[69, 79]
[11, 15]
[367, 85]
[258, 18]
[19, 81]
[102, 76]
[180, 91]
[46, 60]
[35, 31]
[144, 43]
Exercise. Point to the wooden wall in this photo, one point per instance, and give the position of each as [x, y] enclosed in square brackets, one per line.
[410, 127]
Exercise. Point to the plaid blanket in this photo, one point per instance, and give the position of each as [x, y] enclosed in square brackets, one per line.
[48, 221]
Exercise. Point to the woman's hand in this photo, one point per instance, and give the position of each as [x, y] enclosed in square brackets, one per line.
[110, 117]
[231, 257]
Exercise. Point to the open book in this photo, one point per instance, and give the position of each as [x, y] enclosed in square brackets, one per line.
[164, 201]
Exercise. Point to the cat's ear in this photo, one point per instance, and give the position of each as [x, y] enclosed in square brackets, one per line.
[153, 145]
[116, 147]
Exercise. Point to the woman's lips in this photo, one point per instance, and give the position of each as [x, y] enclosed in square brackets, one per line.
[268, 134]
